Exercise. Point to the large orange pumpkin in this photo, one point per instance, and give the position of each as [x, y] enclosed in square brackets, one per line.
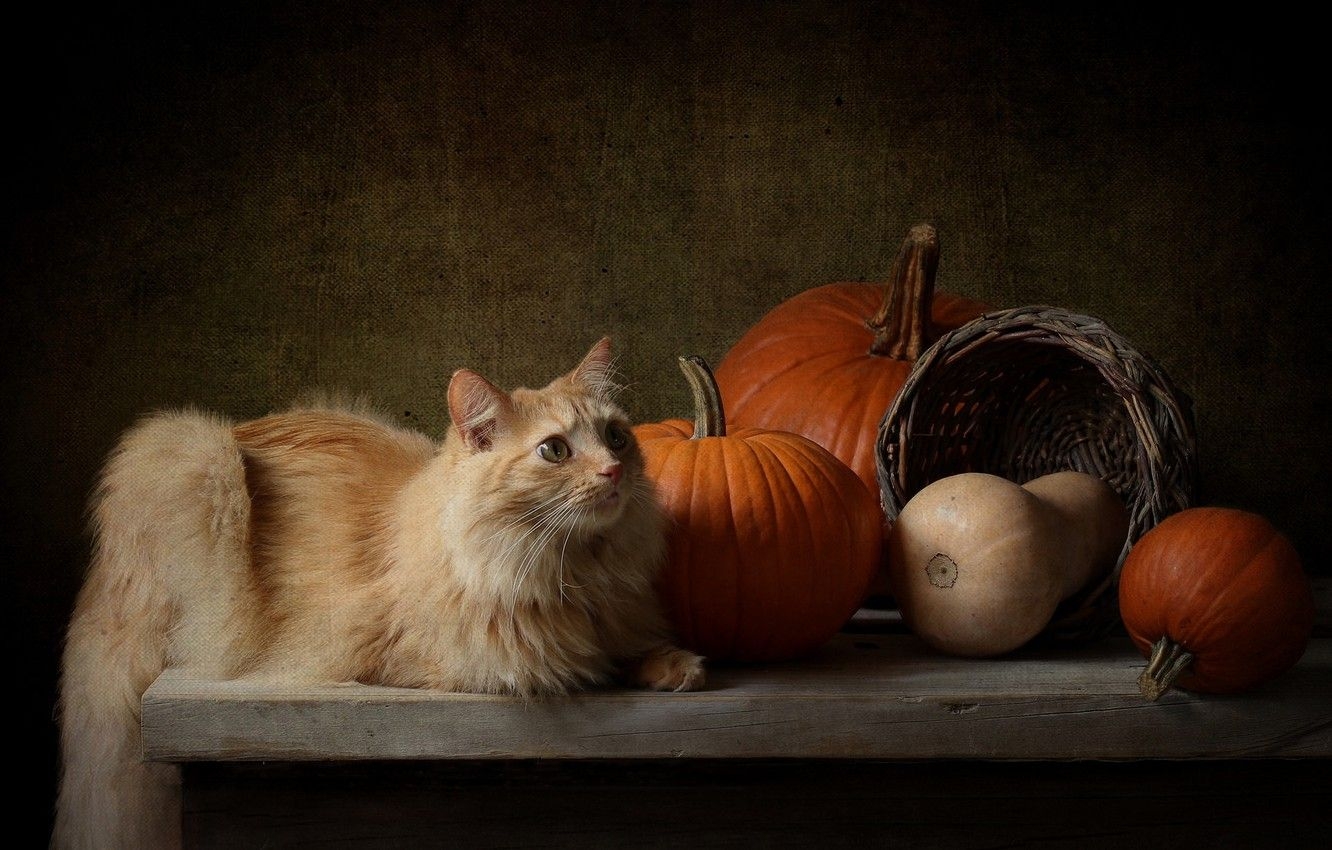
[1218, 601]
[773, 540]
[827, 363]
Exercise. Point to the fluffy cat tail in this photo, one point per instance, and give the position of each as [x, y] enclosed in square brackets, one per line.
[169, 519]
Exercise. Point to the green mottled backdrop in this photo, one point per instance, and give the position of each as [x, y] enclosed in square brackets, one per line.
[223, 207]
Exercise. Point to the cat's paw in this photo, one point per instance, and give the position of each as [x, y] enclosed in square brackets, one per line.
[667, 668]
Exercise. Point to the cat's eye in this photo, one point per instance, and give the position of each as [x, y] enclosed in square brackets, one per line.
[616, 437]
[554, 450]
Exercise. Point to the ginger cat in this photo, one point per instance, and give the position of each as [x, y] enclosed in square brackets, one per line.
[326, 545]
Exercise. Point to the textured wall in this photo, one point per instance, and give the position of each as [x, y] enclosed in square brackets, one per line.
[222, 208]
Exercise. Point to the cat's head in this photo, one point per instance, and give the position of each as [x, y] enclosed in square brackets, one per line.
[556, 458]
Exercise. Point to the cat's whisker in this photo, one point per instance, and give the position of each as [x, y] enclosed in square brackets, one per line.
[549, 525]
[563, 549]
[537, 529]
[551, 515]
[541, 529]
[540, 506]
[530, 561]
[607, 380]
[524, 516]
[642, 492]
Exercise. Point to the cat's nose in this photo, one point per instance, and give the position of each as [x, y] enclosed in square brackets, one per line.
[613, 472]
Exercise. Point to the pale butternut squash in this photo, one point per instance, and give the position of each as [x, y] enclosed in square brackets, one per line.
[978, 564]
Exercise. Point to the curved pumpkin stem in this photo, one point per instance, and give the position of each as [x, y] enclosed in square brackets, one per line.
[1167, 662]
[902, 325]
[709, 417]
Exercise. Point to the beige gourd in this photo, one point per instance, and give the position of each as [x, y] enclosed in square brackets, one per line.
[978, 563]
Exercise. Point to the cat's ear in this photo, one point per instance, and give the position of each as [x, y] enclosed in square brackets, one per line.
[477, 407]
[597, 370]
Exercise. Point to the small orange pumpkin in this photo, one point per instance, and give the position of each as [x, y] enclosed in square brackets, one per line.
[827, 363]
[774, 540]
[1217, 599]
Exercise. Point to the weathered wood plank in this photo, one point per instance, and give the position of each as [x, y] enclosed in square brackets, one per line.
[862, 697]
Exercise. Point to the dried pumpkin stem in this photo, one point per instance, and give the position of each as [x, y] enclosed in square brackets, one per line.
[1168, 660]
[709, 417]
[902, 327]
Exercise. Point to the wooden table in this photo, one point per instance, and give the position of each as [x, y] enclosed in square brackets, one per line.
[876, 737]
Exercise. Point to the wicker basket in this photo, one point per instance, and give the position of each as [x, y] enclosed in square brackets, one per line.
[1033, 390]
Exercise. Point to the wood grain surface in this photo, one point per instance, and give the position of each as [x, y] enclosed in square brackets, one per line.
[863, 696]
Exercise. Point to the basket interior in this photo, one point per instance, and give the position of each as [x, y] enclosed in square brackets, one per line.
[1025, 409]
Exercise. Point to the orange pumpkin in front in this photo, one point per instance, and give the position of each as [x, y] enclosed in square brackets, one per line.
[773, 540]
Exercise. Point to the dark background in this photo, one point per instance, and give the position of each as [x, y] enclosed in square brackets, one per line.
[225, 205]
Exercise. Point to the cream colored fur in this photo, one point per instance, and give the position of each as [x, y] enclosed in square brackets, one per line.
[326, 545]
